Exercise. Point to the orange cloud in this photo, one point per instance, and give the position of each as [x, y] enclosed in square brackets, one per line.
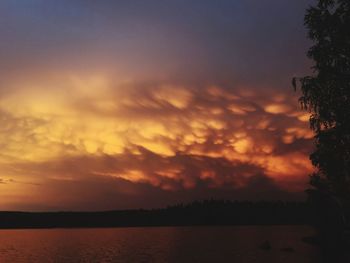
[169, 137]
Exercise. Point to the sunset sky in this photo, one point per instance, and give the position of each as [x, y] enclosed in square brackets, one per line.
[126, 104]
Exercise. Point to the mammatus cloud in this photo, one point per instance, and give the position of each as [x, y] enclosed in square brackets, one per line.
[118, 104]
[166, 138]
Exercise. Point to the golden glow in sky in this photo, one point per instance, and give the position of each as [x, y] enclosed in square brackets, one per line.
[168, 136]
[128, 104]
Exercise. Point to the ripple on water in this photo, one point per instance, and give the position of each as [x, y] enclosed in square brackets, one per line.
[163, 244]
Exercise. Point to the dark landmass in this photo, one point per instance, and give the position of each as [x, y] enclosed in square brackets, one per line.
[208, 212]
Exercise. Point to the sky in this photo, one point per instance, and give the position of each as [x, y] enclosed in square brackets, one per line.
[129, 104]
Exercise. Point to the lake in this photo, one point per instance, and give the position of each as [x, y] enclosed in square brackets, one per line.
[159, 244]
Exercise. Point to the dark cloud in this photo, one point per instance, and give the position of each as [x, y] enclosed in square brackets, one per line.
[249, 43]
[146, 179]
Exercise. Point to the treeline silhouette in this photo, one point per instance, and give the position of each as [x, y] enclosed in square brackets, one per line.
[206, 212]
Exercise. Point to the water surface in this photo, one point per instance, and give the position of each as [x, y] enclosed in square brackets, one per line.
[159, 244]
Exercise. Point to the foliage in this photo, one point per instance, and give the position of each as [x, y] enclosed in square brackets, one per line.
[326, 94]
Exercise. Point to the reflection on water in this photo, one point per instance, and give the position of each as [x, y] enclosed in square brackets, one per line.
[162, 244]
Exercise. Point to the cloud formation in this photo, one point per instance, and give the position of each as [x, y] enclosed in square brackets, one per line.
[170, 137]
[117, 104]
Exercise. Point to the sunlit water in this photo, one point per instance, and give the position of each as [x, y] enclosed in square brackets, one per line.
[162, 244]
